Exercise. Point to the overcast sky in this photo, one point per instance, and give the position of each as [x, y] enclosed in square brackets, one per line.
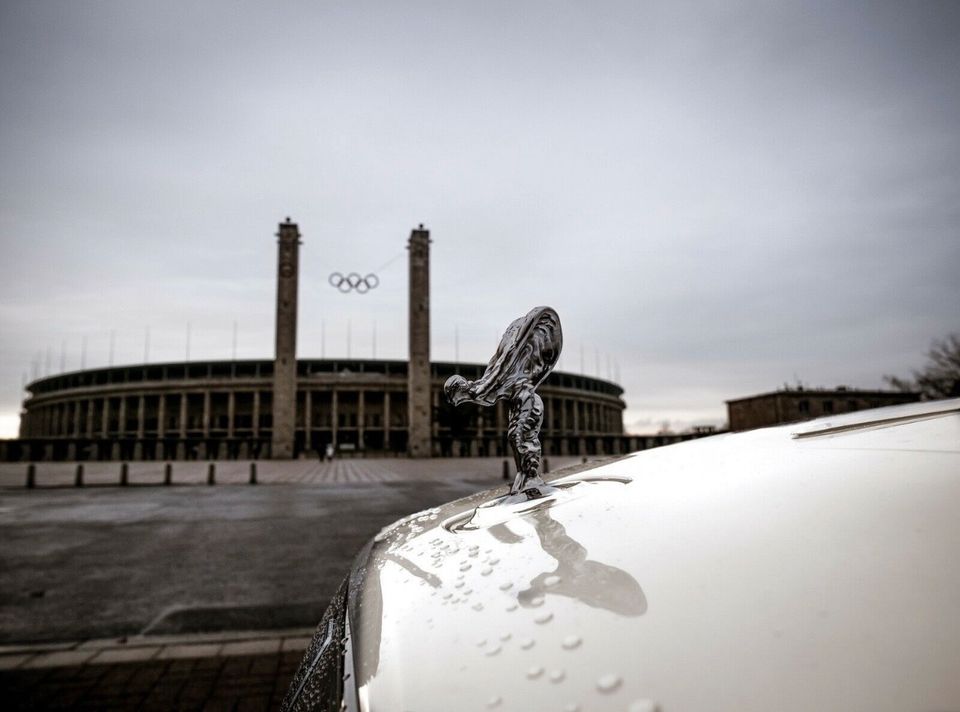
[718, 198]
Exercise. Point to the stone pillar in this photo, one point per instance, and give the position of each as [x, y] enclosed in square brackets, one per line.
[182, 423]
[141, 417]
[418, 368]
[159, 451]
[307, 420]
[77, 408]
[183, 416]
[334, 417]
[386, 420]
[361, 408]
[256, 414]
[231, 412]
[206, 414]
[105, 419]
[162, 416]
[285, 360]
[122, 416]
[91, 406]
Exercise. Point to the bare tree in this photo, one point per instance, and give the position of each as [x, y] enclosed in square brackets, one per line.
[940, 376]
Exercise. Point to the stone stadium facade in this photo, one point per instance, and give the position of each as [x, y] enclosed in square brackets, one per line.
[224, 409]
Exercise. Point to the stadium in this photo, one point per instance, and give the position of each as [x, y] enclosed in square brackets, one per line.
[224, 410]
[294, 407]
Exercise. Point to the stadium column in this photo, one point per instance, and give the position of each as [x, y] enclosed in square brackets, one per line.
[77, 418]
[418, 368]
[361, 416]
[307, 420]
[141, 431]
[334, 417]
[159, 452]
[285, 361]
[161, 415]
[386, 420]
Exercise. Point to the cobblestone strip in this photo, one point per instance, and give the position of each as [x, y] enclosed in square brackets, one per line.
[237, 683]
[146, 648]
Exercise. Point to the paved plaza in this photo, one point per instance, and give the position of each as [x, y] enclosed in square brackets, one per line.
[189, 596]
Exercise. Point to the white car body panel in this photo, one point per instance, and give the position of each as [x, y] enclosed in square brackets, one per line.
[803, 567]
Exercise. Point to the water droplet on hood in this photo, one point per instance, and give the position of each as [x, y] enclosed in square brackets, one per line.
[571, 642]
[608, 682]
[505, 586]
[494, 701]
[551, 580]
[527, 643]
[543, 618]
[557, 675]
[534, 672]
[643, 706]
[493, 651]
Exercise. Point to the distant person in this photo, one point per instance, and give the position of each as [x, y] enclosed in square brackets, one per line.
[329, 452]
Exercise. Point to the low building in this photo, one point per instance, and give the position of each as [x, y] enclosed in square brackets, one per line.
[792, 405]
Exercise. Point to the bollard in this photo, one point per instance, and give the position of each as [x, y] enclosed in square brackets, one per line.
[211, 474]
[124, 474]
[506, 470]
[168, 474]
[546, 465]
[78, 479]
[584, 460]
[31, 476]
[253, 473]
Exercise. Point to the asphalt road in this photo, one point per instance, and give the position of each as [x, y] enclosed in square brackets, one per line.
[111, 561]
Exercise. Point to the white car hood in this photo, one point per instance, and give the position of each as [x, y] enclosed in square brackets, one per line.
[806, 567]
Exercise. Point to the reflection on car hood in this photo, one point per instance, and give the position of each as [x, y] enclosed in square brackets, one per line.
[756, 571]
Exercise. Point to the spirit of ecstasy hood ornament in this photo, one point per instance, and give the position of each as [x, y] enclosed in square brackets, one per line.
[527, 353]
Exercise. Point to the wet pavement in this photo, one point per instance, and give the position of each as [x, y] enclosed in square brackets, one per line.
[112, 561]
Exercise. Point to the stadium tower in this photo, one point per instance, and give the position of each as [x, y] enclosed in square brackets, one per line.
[285, 359]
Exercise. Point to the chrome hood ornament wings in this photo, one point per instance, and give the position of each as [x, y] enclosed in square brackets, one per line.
[526, 355]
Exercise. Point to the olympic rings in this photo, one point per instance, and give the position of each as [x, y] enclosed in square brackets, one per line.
[354, 282]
